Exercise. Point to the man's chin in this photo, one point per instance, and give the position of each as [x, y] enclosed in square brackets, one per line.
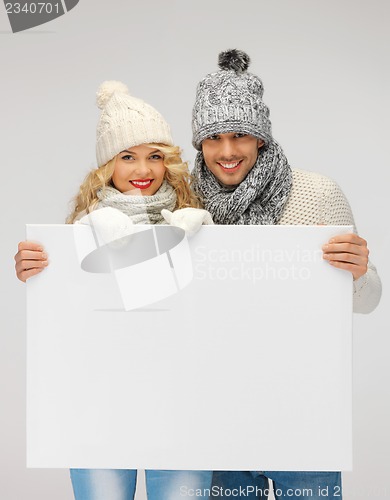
[229, 183]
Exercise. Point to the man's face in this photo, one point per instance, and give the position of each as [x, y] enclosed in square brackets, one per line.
[230, 156]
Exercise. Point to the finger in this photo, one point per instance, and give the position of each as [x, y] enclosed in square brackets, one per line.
[208, 219]
[348, 238]
[167, 215]
[346, 257]
[346, 248]
[357, 271]
[30, 255]
[25, 275]
[29, 245]
[25, 265]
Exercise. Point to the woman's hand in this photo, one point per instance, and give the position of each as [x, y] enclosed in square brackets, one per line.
[189, 219]
[30, 260]
[349, 252]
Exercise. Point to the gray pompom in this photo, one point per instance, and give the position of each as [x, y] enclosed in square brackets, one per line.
[234, 59]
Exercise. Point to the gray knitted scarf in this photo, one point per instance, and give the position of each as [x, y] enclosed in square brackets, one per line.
[140, 209]
[258, 199]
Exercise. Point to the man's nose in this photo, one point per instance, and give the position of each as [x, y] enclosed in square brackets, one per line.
[227, 149]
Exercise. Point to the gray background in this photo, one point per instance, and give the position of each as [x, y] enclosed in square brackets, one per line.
[325, 70]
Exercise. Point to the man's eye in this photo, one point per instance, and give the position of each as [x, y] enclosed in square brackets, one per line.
[238, 135]
[213, 137]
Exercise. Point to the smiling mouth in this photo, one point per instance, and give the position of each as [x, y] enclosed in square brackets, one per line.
[141, 183]
[230, 166]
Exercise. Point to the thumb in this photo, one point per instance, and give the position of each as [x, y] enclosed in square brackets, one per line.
[207, 218]
[167, 215]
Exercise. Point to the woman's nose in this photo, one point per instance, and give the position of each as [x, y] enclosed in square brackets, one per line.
[143, 168]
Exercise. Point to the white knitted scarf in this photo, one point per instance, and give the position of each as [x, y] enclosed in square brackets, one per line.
[140, 209]
[258, 199]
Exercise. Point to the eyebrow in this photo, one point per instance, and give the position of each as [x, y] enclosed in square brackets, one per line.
[134, 153]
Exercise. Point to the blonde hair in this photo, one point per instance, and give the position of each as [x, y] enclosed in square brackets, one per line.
[177, 175]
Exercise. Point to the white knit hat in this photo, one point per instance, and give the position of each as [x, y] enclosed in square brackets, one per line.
[125, 122]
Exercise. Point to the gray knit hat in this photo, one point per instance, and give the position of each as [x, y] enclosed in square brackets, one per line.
[125, 121]
[230, 100]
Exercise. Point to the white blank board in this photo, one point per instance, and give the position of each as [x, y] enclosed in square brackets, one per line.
[245, 367]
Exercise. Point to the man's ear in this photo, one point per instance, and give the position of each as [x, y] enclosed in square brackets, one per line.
[260, 143]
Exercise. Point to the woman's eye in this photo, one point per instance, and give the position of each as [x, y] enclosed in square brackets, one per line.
[127, 157]
[156, 157]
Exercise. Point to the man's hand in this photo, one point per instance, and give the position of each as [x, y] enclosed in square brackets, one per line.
[30, 260]
[349, 252]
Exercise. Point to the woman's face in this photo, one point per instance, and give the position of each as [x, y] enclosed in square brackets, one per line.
[139, 170]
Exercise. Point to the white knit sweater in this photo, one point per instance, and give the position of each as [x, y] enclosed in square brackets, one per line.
[316, 199]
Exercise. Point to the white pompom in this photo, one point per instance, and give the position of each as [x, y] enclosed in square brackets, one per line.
[106, 90]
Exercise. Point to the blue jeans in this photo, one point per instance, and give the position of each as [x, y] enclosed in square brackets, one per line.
[293, 485]
[119, 484]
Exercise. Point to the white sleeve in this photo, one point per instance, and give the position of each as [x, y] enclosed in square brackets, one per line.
[367, 290]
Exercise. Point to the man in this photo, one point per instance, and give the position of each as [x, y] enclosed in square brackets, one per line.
[244, 177]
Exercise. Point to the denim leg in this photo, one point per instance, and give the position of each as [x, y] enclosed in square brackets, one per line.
[178, 484]
[103, 484]
[309, 485]
[239, 484]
